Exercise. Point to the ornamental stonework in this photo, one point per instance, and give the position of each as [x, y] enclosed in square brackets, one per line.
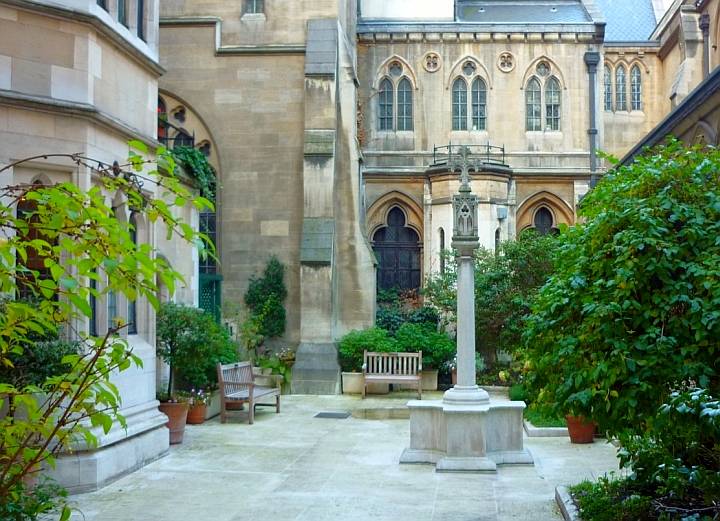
[432, 62]
[506, 62]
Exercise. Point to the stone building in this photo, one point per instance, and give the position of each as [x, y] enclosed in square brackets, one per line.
[81, 77]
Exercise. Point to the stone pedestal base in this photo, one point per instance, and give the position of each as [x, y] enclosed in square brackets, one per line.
[466, 438]
[316, 369]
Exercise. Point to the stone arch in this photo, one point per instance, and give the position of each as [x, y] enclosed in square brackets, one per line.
[41, 179]
[704, 133]
[379, 210]
[398, 249]
[555, 71]
[561, 211]
[383, 72]
[456, 71]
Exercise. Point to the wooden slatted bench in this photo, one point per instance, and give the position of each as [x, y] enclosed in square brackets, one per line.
[393, 368]
[237, 384]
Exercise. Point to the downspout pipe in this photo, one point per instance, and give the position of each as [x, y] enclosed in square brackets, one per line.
[705, 28]
[592, 59]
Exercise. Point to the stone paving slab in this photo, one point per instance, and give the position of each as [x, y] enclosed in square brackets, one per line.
[293, 466]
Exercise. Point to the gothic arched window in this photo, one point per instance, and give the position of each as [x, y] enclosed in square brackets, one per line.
[636, 88]
[620, 89]
[608, 89]
[479, 104]
[459, 105]
[533, 105]
[543, 221]
[552, 104]
[397, 248]
[385, 105]
[405, 105]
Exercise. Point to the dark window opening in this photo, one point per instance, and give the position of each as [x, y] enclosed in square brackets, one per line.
[397, 248]
[254, 6]
[141, 19]
[543, 221]
[122, 12]
[208, 226]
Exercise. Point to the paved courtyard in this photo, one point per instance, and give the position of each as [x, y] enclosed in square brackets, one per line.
[293, 466]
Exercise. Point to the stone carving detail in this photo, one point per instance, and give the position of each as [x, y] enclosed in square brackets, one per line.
[431, 62]
[395, 69]
[543, 69]
[469, 68]
[506, 62]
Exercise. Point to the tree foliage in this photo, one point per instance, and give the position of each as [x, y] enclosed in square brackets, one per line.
[633, 311]
[77, 238]
[505, 284]
[265, 299]
[199, 169]
[192, 343]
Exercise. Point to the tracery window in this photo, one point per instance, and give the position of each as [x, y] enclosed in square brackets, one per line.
[552, 104]
[469, 113]
[479, 104]
[397, 248]
[620, 88]
[533, 105]
[395, 86]
[459, 94]
[543, 104]
[608, 90]
[405, 105]
[635, 88]
[543, 221]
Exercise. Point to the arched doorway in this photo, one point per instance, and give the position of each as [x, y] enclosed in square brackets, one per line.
[397, 248]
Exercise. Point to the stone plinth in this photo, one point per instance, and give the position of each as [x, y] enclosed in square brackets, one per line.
[316, 369]
[466, 438]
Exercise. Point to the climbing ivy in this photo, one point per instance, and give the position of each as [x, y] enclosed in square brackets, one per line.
[198, 167]
[265, 297]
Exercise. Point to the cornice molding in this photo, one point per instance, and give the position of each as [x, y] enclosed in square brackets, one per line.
[106, 30]
[230, 50]
[69, 108]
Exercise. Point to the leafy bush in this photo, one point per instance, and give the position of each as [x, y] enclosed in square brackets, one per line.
[611, 499]
[38, 362]
[353, 345]
[29, 504]
[680, 455]
[517, 392]
[265, 296]
[633, 310]
[192, 343]
[438, 349]
[198, 167]
[505, 284]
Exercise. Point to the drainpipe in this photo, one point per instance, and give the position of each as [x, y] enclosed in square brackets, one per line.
[705, 28]
[592, 59]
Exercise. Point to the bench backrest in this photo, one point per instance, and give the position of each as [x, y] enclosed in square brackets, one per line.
[233, 378]
[398, 364]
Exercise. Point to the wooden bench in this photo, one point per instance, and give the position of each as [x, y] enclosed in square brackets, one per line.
[392, 368]
[237, 384]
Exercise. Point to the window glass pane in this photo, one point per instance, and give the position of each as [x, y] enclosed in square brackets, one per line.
[552, 104]
[533, 107]
[636, 85]
[385, 105]
[112, 310]
[122, 12]
[620, 89]
[405, 106]
[543, 221]
[459, 93]
[102, 3]
[141, 19]
[479, 104]
[254, 6]
[608, 89]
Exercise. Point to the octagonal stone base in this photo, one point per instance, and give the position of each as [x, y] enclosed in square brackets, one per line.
[466, 438]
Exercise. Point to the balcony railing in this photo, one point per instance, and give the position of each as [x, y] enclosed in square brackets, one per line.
[172, 136]
[487, 154]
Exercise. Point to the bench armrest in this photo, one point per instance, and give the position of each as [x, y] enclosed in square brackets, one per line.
[364, 368]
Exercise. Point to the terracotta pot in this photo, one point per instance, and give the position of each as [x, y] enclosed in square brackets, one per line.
[580, 430]
[177, 416]
[196, 414]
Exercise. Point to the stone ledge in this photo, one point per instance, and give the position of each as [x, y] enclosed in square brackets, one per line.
[544, 432]
[566, 504]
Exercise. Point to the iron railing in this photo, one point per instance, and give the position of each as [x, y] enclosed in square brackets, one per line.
[487, 154]
[172, 136]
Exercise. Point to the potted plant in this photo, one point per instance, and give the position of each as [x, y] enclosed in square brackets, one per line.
[175, 407]
[351, 350]
[192, 344]
[198, 402]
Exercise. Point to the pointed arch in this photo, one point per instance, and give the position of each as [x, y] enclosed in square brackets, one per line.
[553, 104]
[386, 104]
[607, 88]
[620, 87]
[404, 105]
[554, 71]
[636, 88]
[479, 104]
[383, 72]
[703, 133]
[480, 70]
[533, 105]
[378, 212]
[459, 104]
[561, 211]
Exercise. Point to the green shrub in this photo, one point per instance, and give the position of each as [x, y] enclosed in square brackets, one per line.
[38, 362]
[192, 343]
[517, 392]
[612, 500]
[265, 296]
[31, 504]
[437, 348]
[632, 311]
[353, 345]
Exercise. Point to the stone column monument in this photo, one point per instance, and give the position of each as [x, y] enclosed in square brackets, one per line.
[465, 431]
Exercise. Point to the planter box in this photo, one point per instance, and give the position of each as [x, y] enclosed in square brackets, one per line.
[352, 383]
[429, 382]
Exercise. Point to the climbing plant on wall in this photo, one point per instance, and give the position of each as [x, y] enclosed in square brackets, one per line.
[199, 168]
[265, 297]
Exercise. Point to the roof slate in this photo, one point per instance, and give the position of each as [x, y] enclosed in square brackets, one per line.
[628, 20]
[523, 12]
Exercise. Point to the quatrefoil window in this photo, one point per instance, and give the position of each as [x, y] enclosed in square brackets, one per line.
[395, 69]
[469, 68]
[506, 62]
[432, 62]
[543, 69]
